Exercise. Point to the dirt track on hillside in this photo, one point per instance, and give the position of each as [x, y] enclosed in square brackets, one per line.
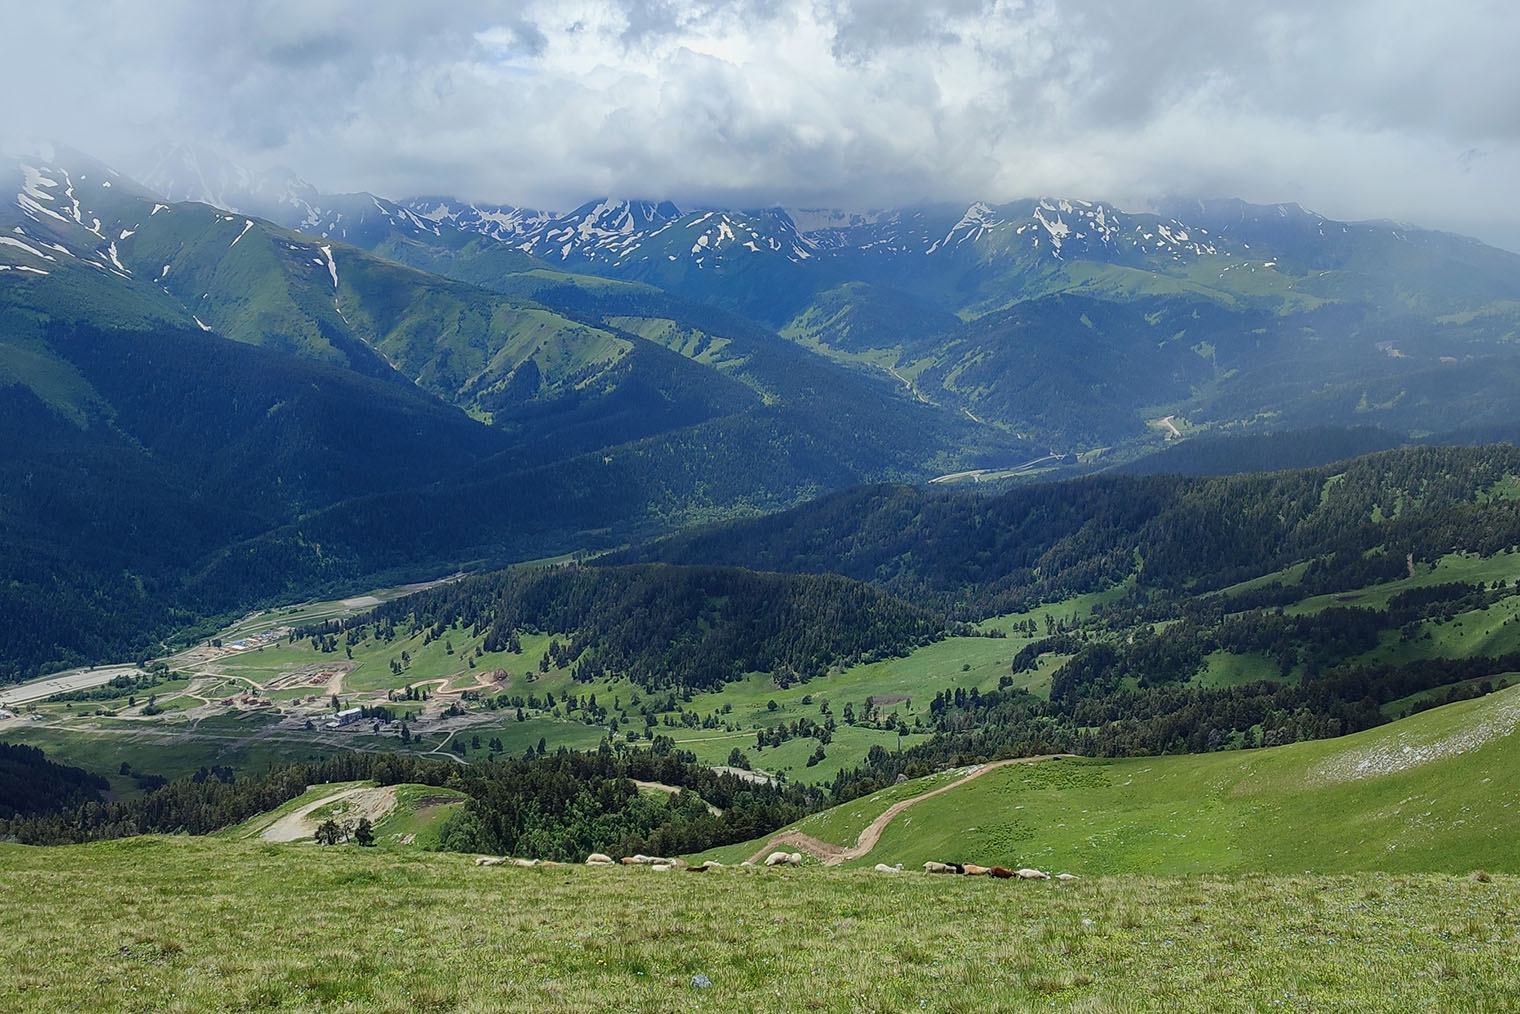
[833, 855]
[299, 825]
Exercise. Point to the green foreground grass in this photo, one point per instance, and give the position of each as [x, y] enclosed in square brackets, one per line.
[175, 924]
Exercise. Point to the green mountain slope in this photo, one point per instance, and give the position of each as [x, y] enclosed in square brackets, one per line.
[1427, 793]
[498, 357]
[178, 445]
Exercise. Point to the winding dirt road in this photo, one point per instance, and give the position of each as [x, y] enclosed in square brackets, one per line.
[833, 855]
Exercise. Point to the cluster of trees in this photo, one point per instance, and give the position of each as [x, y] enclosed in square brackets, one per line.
[332, 832]
[802, 728]
[1147, 657]
[125, 685]
[570, 804]
[109, 538]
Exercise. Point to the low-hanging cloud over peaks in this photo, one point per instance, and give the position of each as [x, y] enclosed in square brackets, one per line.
[1358, 109]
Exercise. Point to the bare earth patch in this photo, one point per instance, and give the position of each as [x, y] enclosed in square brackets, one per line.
[1401, 750]
[300, 825]
[362, 602]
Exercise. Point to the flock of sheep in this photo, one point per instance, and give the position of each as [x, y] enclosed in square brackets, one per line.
[972, 870]
[661, 865]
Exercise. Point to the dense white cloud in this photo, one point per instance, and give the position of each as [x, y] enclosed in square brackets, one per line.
[1363, 108]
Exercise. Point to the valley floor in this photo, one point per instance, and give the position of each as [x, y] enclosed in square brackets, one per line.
[176, 924]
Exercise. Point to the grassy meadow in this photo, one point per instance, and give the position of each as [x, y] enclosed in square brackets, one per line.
[175, 924]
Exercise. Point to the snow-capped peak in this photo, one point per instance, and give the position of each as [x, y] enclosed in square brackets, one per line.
[500, 222]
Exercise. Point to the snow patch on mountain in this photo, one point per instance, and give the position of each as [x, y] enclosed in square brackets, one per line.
[332, 265]
[35, 185]
[8, 241]
[978, 220]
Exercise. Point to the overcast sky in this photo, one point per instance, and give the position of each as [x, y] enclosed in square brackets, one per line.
[1403, 109]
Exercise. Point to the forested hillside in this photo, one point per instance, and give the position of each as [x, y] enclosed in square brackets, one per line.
[668, 628]
[980, 555]
[30, 784]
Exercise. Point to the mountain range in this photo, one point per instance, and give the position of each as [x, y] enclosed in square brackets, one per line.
[1071, 322]
[223, 387]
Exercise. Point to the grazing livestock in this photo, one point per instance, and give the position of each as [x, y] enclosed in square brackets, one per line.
[933, 867]
[1027, 874]
[662, 867]
[1001, 872]
[973, 870]
[884, 868]
[598, 859]
[489, 861]
[1066, 876]
[697, 869]
[525, 862]
[748, 864]
[777, 859]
